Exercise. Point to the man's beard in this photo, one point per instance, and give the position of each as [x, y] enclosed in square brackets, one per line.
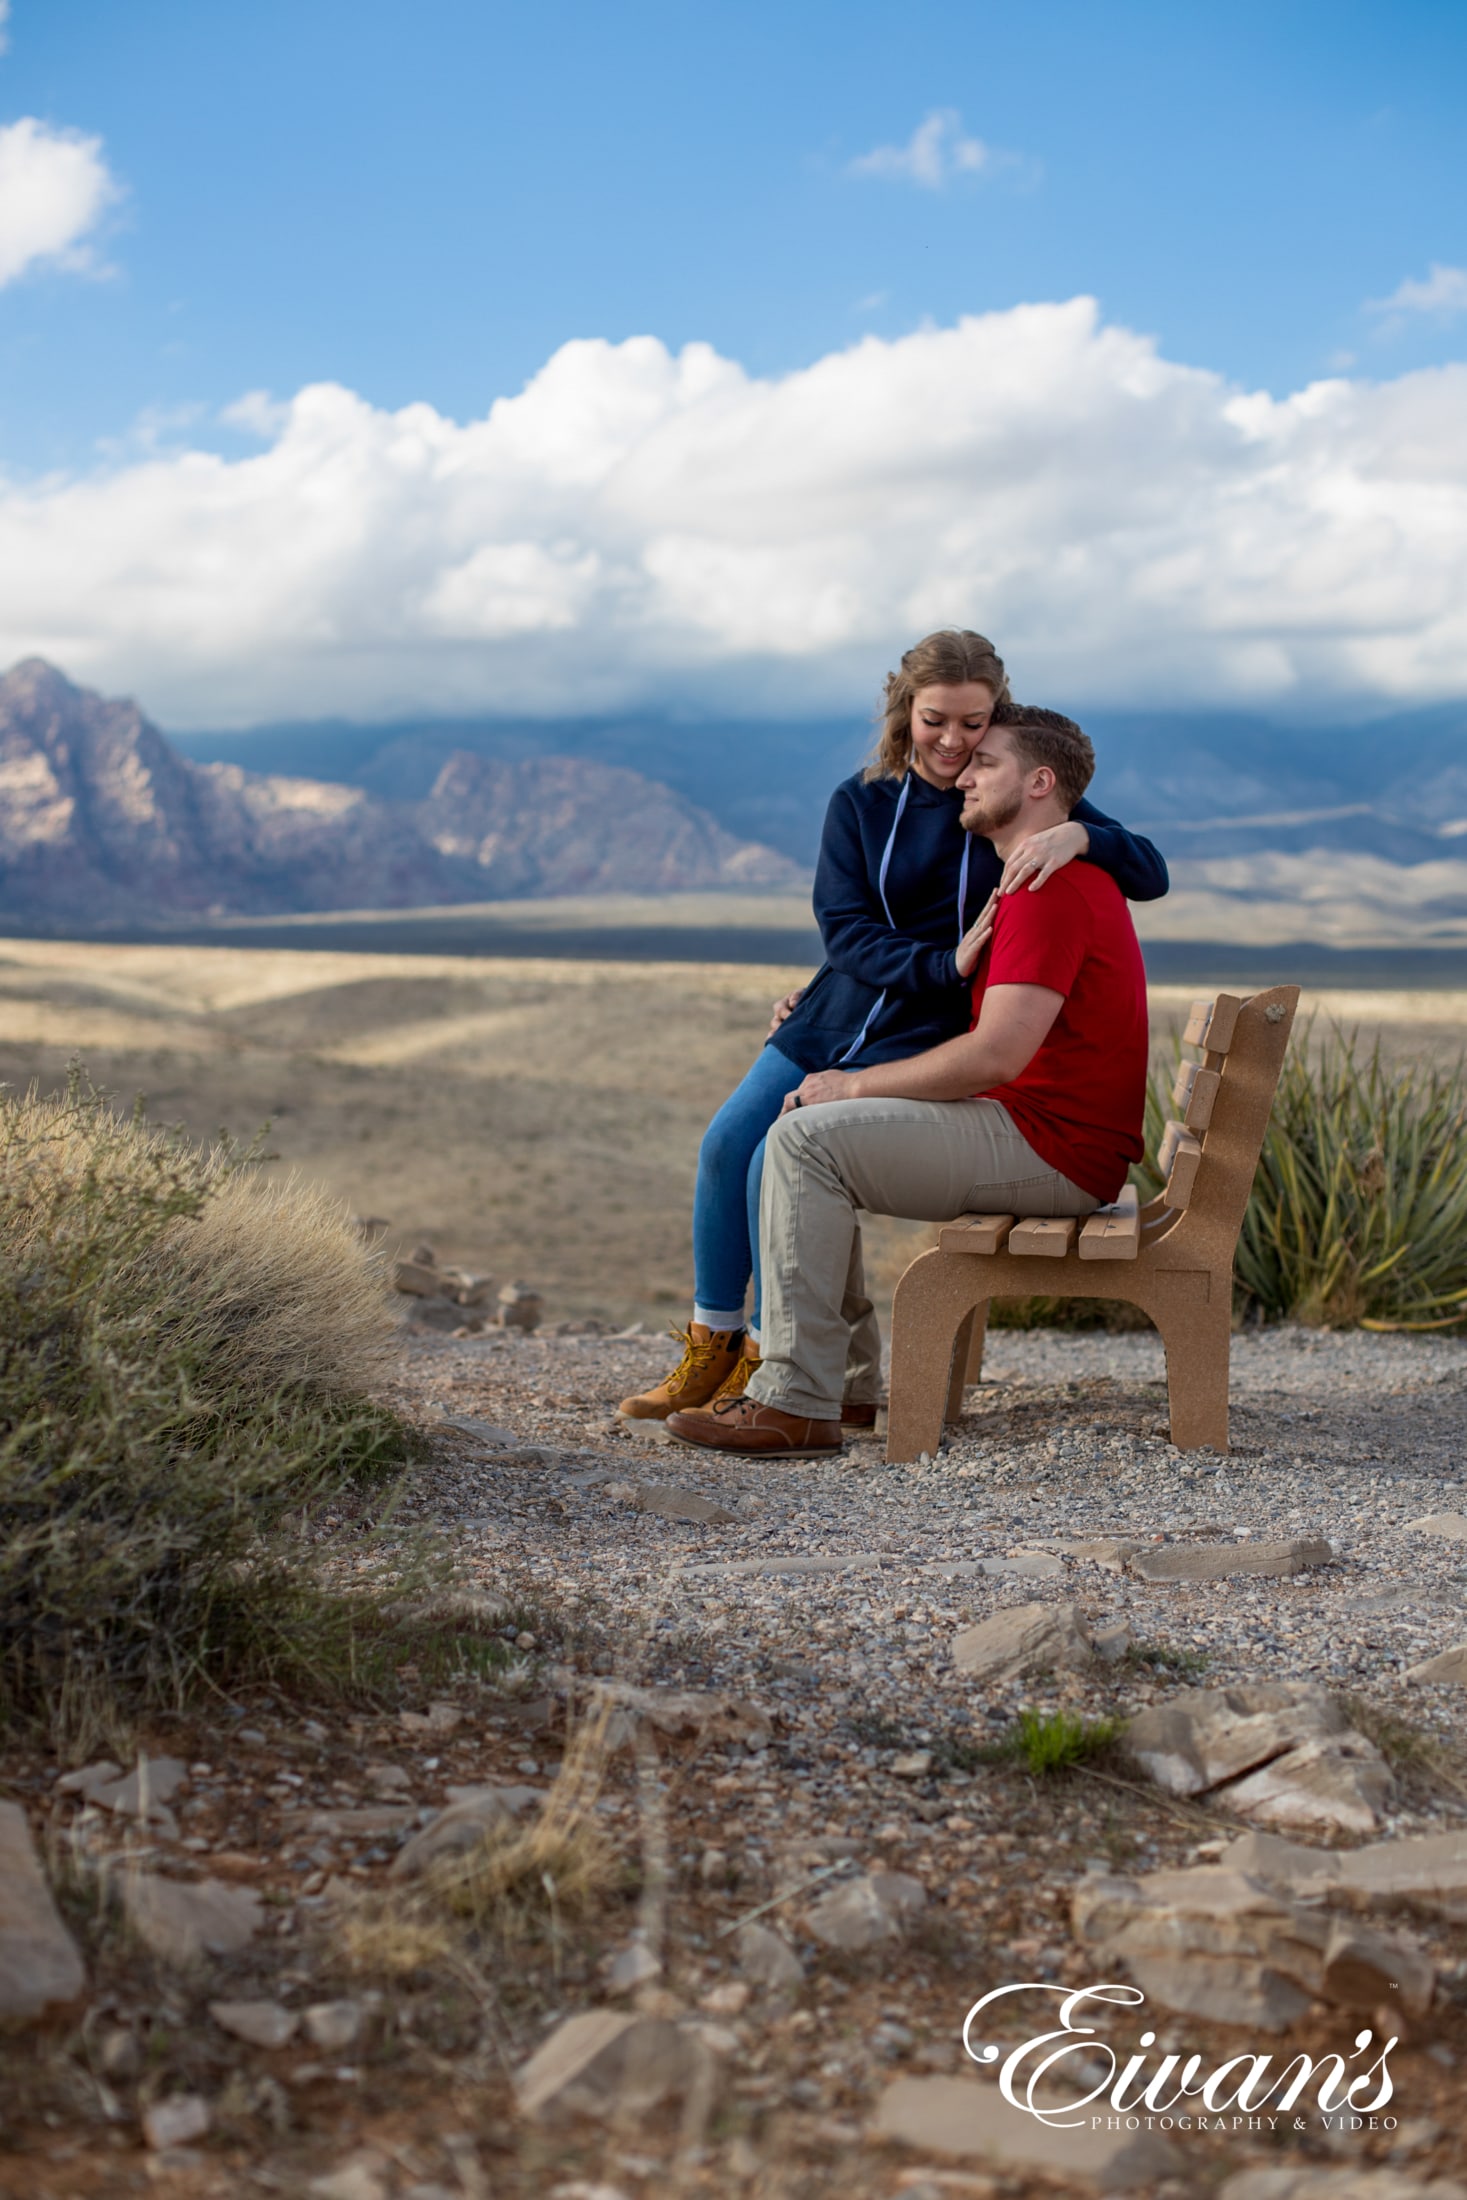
[977, 818]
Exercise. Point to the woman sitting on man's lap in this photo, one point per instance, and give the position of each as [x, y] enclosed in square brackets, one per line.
[895, 883]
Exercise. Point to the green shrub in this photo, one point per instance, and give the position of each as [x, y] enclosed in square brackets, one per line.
[1049, 1742]
[1358, 1213]
[186, 1358]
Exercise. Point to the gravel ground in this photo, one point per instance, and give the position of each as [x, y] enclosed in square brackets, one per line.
[1349, 1436]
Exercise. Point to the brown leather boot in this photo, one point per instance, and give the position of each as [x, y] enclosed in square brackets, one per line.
[710, 1356]
[759, 1432]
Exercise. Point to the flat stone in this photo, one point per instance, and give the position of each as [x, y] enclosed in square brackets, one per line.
[914, 1766]
[1280, 1751]
[672, 1503]
[1023, 1639]
[1363, 1968]
[1222, 1561]
[862, 1912]
[364, 1822]
[767, 1959]
[1210, 1942]
[1341, 2181]
[1451, 1525]
[439, 1718]
[1337, 1786]
[1025, 1566]
[86, 1778]
[184, 1920]
[1108, 1551]
[40, 1967]
[456, 1830]
[487, 1432]
[172, 2123]
[733, 1569]
[607, 2062]
[366, 2176]
[258, 2023]
[417, 1280]
[966, 2118]
[1428, 1868]
[333, 2025]
[1449, 1666]
[691, 1713]
[631, 1967]
[1220, 1943]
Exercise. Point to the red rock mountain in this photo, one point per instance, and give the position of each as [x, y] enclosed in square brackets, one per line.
[102, 822]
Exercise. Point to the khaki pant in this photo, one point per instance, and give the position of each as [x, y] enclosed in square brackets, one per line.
[926, 1160]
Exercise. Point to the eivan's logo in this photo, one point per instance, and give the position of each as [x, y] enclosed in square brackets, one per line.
[1169, 2089]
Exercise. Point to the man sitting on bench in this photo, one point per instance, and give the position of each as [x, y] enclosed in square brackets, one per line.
[1036, 1111]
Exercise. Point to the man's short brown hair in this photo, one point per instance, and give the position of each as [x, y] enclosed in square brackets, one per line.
[1046, 737]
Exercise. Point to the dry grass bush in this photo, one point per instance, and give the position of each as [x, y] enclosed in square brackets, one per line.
[185, 1354]
[518, 1888]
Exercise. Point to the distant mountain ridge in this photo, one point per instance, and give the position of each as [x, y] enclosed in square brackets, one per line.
[102, 822]
[1206, 783]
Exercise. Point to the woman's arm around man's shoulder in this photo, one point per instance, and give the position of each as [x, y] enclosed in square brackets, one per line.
[1138, 868]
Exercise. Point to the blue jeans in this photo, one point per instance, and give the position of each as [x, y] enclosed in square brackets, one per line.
[726, 1199]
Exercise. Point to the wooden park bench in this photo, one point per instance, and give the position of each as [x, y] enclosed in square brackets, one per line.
[1173, 1257]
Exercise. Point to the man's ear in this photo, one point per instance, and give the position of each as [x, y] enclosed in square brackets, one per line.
[1042, 782]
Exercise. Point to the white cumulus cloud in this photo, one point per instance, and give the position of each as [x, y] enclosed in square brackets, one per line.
[937, 151]
[54, 189]
[643, 527]
[1443, 293]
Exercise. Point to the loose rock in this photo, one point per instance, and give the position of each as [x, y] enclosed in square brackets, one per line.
[767, 1959]
[333, 2025]
[603, 2061]
[1222, 1561]
[1451, 1525]
[1023, 1639]
[1283, 1752]
[40, 1967]
[456, 1830]
[1217, 1943]
[258, 2023]
[184, 1920]
[174, 2122]
[1449, 1666]
[864, 1911]
[968, 2119]
[666, 1499]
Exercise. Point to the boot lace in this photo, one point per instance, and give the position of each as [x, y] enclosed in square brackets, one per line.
[698, 1353]
[737, 1380]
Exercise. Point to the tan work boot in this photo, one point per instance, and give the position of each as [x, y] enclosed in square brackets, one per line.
[737, 1381]
[710, 1356]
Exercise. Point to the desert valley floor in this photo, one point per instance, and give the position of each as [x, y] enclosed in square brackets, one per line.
[793, 1687]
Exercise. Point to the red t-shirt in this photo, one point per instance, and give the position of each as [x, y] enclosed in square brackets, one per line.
[1082, 1100]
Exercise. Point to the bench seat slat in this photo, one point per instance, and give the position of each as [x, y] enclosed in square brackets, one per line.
[975, 1234]
[1114, 1233]
[1047, 1237]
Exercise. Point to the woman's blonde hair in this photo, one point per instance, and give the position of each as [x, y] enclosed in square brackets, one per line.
[949, 658]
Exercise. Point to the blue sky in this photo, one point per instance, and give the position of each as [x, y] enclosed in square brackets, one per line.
[424, 206]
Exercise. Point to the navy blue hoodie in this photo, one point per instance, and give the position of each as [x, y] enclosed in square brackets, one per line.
[889, 989]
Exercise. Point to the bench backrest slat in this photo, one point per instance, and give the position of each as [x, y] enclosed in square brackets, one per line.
[1212, 1023]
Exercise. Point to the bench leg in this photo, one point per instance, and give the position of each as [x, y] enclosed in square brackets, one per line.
[973, 1372]
[929, 1313]
[967, 1357]
[1197, 1341]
